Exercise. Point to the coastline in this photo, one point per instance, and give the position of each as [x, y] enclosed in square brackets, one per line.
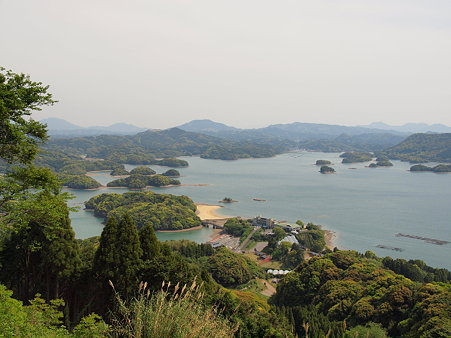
[182, 230]
[330, 237]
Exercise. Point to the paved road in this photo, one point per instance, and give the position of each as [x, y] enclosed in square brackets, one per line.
[246, 241]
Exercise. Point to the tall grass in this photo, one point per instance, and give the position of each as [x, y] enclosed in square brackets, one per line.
[171, 312]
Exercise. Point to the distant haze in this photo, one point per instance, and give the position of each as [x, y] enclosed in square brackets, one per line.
[157, 64]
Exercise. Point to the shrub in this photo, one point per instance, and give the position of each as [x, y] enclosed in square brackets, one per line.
[177, 312]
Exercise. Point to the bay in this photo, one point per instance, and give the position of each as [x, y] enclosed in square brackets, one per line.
[366, 207]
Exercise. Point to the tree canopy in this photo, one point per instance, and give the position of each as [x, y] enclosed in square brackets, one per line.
[348, 286]
[19, 97]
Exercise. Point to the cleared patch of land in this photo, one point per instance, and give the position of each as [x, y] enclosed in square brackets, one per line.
[265, 263]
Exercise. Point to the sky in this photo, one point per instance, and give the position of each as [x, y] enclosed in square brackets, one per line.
[247, 63]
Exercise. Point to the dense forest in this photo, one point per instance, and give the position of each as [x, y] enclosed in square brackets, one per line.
[126, 283]
[161, 211]
[357, 289]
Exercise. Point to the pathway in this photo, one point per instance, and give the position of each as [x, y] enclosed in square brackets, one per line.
[243, 245]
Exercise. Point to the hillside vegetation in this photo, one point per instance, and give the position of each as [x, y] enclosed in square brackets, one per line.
[419, 148]
[166, 143]
[347, 286]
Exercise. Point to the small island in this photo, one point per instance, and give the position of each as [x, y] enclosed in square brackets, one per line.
[227, 200]
[136, 181]
[142, 171]
[441, 168]
[171, 173]
[81, 182]
[326, 170]
[356, 156]
[381, 162]
[323, 162]
[171, 162]
[161, 211]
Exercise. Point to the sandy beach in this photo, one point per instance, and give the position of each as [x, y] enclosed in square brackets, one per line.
[330, 239]
[207, 211]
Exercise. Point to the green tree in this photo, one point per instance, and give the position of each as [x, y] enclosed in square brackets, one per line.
[118, 258]
[312, 239]
[149, 243]
[38, 320]
[41, 254]
[279, 233]
[21, 182]
[42, 319]
[19, 135]
[229, 268]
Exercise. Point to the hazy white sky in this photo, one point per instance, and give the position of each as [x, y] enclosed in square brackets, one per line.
[247, 63]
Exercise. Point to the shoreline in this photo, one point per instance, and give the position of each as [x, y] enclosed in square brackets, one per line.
[182, 230]
[330, 237]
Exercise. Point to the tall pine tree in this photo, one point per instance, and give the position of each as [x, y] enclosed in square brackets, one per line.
[150, 245]
[118, 257]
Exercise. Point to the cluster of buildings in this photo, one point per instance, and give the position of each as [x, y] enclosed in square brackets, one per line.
[269, 223]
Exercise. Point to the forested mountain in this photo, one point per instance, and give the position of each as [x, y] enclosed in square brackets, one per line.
[166, 143]
[207, 127]
[422, 148]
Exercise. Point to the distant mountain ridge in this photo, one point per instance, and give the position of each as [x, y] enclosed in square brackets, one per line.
[61, 128]
[312, 136]
[411, 127]
[377, 136]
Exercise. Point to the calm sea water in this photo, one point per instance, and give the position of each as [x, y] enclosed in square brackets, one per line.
[366, 207]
